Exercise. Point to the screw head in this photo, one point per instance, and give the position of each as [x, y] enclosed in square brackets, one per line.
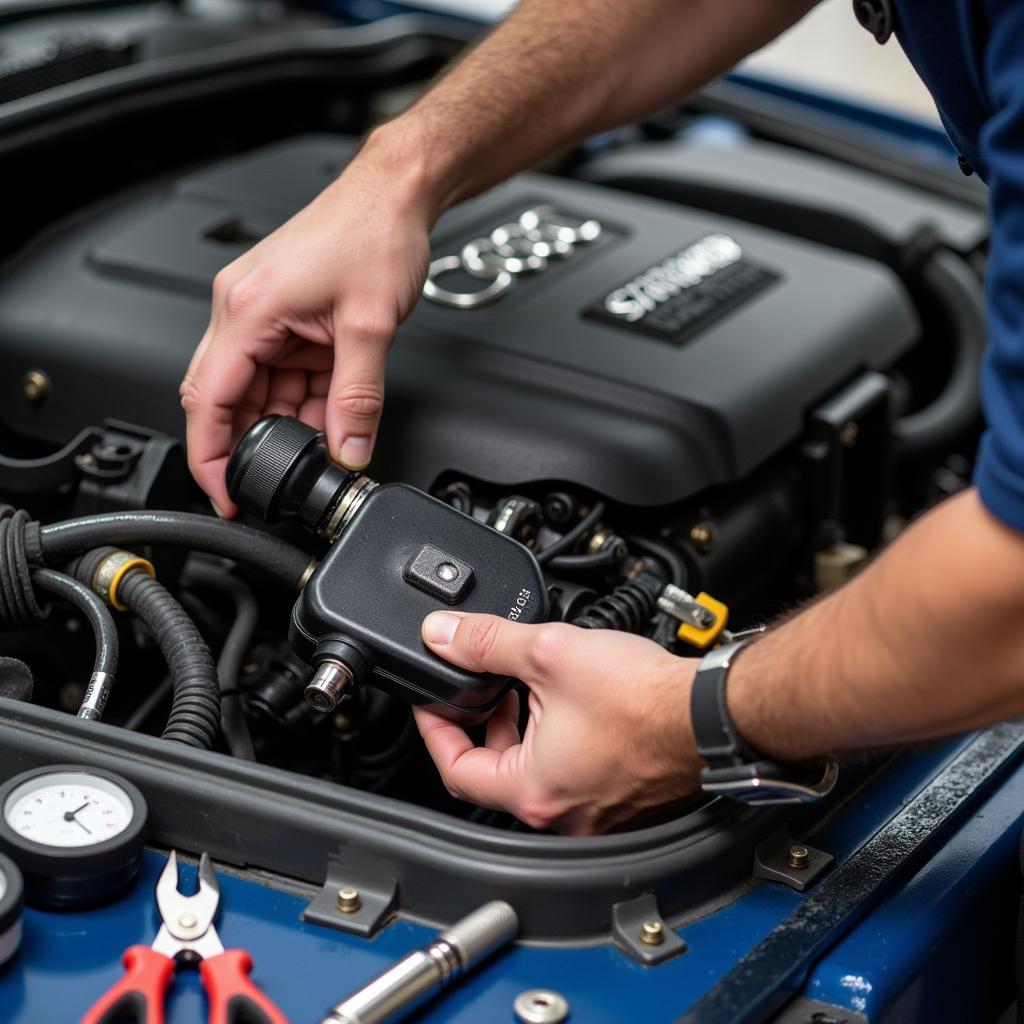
[541, 1006]
[652, 933]
[35, 385]
[797, 857]
[848, 434]
[447, 571]
[701, 537]
[187, 921]
[348, 900]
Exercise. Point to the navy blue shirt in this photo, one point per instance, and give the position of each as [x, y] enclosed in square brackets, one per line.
[970, 54]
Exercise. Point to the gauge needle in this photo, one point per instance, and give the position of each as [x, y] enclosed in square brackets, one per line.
[70, 816]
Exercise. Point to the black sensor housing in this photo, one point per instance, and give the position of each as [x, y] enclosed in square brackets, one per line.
[404, 555]
[397, 555]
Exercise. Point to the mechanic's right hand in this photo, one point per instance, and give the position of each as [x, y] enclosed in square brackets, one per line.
[302, 323]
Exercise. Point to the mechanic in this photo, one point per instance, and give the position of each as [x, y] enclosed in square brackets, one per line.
[927, 641]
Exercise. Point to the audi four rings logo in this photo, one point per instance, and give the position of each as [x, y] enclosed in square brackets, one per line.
[541, 235]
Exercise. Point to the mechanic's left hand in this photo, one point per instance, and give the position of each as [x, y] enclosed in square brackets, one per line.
[608, 738]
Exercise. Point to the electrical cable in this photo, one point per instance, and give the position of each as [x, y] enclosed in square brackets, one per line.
[663, 553]
[59, 542]
[153, 700]
[569, 539]
[229, 665]
[604, 559]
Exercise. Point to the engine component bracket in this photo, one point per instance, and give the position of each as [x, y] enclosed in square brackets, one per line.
[352, 900]
[633, 919]
[781, 859]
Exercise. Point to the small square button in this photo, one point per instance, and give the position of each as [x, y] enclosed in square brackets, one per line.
[440, 574]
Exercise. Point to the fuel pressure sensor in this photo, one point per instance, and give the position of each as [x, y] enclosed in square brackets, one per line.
[396, 555]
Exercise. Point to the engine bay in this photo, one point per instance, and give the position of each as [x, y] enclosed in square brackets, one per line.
[679, 386]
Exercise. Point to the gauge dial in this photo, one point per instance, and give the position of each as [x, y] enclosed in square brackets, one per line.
[11, 889]
[76, 833]
[67, 809]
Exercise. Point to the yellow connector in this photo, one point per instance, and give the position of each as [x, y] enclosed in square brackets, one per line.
[699, 637]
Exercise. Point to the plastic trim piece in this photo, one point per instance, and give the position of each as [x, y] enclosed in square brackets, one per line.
[444, 867]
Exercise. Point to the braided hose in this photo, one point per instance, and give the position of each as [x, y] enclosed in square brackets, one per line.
[195, 706]
[629, 608]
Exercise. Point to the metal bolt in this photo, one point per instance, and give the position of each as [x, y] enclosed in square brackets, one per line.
[704, 617]
[35, 385]
[848, 434]
[541, 1006]
[447, 571]
[600, 538]
[701, 537]
[188, 921]
[797, 857]
[652, 933]
[348, 901]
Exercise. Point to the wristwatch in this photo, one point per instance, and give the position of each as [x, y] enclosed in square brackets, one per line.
[733, 767]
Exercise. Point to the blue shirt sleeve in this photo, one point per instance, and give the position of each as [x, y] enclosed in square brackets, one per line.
[999, 474]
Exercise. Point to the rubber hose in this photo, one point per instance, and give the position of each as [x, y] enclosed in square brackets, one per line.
[280, 560]
[958, 295]
[99, 618]
[568, 540]
[195, 705]
[575, 563]
[664, 553]
[229, 664]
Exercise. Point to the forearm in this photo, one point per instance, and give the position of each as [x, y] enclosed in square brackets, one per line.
[555, 72]
[927, 641]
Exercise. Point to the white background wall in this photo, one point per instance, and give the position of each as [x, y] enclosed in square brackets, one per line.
[829, 50]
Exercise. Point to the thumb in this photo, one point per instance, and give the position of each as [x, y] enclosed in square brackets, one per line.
[489, 643]
[356, 396]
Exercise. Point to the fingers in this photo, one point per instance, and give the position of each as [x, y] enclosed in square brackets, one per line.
[356, 396]
[210, 394]
[482, 775]
[489, 643]
[503, 725]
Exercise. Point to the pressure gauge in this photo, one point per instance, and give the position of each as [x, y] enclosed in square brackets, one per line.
[11, 892]
[76, 833]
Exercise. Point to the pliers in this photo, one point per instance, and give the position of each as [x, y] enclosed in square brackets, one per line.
[187, 935]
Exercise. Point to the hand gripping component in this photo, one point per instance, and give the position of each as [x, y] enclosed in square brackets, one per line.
[396, 555]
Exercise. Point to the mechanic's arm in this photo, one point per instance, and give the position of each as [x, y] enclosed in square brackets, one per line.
[301, 324]
[927, 641]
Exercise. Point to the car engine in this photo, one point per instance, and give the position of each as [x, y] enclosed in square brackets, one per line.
[669, 385]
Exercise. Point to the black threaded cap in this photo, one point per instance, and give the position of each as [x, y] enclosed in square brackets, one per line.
[264, 460]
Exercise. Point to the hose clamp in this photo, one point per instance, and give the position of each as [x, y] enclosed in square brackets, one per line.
[352, 500]
[112, 570]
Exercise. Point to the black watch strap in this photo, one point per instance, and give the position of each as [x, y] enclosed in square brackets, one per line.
[733, 767]
[718, 743]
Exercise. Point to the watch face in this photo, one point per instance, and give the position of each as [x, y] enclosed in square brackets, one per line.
[65, 810]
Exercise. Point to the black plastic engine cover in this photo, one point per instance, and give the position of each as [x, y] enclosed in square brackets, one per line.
[544, 384]
[376, 585]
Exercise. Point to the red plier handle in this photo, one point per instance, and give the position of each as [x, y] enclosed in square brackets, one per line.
[234, 999]
[139, 995]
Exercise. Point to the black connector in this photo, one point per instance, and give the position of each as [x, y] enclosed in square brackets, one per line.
[281, 470]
